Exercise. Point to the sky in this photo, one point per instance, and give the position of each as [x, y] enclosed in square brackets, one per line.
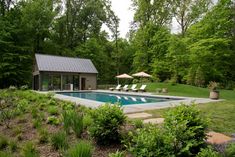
[122, 9]
[125, 14]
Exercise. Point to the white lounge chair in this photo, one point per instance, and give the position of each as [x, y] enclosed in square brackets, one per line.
[117, 88]
[142, 88]
[125, 87]
[133, 88]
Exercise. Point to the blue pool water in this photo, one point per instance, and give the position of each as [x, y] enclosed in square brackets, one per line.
[123, 99]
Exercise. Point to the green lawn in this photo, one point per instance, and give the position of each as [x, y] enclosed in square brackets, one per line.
[222, 114]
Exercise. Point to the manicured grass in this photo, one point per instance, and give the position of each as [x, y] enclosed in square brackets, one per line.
[221, 114]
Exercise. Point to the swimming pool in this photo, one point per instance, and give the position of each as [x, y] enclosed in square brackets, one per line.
[123, 99]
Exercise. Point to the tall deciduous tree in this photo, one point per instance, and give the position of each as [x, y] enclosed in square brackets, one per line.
[188, 12]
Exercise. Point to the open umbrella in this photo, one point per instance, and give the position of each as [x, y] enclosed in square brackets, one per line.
[141, 74]
[123, 76]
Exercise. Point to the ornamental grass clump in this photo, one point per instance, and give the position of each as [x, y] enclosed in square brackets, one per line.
[73, 120]
[29, 150]
[107, 121]
[59, 140]
[82, 149]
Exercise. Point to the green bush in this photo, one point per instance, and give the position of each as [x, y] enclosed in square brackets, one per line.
[107, 120]
[34, 112]
[12, 145]
[82, 149]
[208, 152]
[37, 123]
[43, 135]
[138, 123]
[3, 142]
[67, 106]
[147, 141]
[59, 140]
[230, 150]
[53, 120]
[117, 154]
[29, 150]
[185, 129]
[24, 87]
[22, 105]
[5, 154]
[87, 121]
[51, 102]
[53, 110]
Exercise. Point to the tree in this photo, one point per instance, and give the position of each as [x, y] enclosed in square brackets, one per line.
[188, 12]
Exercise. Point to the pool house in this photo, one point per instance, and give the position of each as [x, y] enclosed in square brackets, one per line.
[57, 73]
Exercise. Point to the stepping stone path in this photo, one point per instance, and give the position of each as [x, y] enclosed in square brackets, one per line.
[217, 138]
[154, 120]
[139, 115]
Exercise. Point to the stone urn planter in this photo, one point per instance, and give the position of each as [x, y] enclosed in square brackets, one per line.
[214, 93]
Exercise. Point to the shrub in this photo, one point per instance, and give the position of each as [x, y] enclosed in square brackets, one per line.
[43, 135]
[82, 149]
[107, 120]
[147, 141]
[185, 130]
[37, 123]
[29, 150]
[5, 154]
[3, 142]
[59, 140]
[22, 105]
[138, 123]
[117, 154]
[12, 145]
[50, 95]
[6, 116]
[67, 106]
[87, 121]
[12, 88]
[51, 102]
[34, 112]
[230, 150]
[53, 120]
[52, 110]
[208, 152]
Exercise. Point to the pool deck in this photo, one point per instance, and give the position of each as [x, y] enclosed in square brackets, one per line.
[137, 107]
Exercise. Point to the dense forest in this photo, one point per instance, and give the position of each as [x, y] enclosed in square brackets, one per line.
[203, 50]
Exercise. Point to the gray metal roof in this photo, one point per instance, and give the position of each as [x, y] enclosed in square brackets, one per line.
[64, 64]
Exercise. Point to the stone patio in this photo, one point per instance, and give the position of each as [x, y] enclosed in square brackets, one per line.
[217, 138]
[139, 115]
[154, 120]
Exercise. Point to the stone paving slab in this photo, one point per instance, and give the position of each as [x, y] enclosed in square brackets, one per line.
[217, 138]
[139, 115]
[154, 120]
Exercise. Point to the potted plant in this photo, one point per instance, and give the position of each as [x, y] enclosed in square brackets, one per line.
[214, 93]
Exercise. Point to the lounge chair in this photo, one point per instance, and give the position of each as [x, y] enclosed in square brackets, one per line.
[125, 87]
[117, 88]
[132, 87]
[142, 88]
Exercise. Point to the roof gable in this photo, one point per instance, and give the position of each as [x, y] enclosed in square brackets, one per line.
[64, 64]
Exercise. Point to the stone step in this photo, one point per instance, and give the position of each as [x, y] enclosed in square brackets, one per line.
[139, 115]
[217, 138]
[154, 120]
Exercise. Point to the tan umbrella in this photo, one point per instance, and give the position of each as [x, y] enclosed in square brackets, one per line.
[123, 76]
[141, 74]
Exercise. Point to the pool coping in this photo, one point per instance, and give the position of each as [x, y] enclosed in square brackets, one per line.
[135, 107]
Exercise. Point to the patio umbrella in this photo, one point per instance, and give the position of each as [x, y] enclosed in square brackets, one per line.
[142, 75]
[123, 76]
